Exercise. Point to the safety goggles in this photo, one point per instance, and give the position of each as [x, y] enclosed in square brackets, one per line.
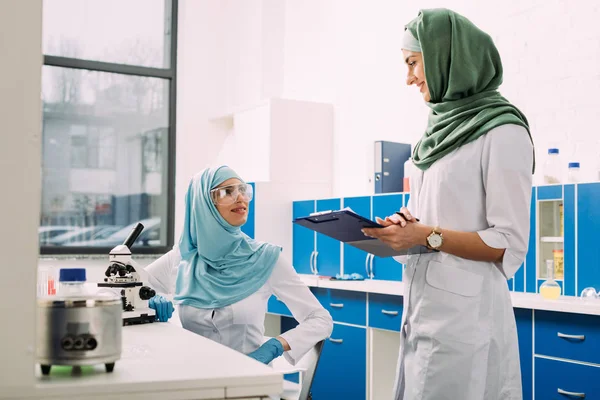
[227, 195]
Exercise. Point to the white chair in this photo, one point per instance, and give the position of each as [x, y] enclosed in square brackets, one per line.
[306, 367]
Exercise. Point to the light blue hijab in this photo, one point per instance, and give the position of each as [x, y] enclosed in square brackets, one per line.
[220, 264]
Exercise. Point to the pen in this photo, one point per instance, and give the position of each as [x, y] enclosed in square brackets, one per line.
[404, 216]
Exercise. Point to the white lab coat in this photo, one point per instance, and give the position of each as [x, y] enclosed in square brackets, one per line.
[240, 326]
[458, 337]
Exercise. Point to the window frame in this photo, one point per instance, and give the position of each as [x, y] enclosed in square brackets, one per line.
[169, 74]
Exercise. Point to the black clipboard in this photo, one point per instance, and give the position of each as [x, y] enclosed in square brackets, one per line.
[346, 226]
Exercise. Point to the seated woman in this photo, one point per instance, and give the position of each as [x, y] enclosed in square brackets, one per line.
[223, 278]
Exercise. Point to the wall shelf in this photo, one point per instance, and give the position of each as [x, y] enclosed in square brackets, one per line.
[552, 239]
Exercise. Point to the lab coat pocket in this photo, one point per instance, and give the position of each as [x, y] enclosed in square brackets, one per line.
[451, 303]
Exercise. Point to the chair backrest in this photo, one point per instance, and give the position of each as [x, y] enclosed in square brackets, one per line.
[310, 361]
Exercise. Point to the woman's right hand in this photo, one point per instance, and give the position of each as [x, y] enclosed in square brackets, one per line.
[163, 307]
[396, 219]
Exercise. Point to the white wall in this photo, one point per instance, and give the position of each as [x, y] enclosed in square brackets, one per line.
[20, 161]
[348, 52]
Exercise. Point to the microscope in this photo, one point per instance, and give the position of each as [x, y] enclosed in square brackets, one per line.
[125, 276]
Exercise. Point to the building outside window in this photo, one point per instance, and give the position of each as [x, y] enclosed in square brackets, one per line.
[108, 90]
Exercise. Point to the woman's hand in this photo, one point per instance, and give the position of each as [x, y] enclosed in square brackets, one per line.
[401, 218]
[395, 235]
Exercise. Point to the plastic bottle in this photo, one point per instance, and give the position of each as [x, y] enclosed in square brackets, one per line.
[552, 167]
[72, 282]
[573, 176]
[406, 181]
[550, 289]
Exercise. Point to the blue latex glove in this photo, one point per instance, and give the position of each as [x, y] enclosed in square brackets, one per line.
[269, 351]
[163, 307]
[349, 277]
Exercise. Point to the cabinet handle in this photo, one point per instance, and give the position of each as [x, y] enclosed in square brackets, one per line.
[572, 394]
[312, 256]
[371, 274]
[315, 263]
[336, 305]
[336, 340]
[386, 312]
[575, 337]
[367, 266]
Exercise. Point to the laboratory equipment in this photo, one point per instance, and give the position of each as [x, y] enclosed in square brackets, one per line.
[550, 289]
[124, 275]
[76, 328]
[589, 293]
[389, 166]
[552, 167]
[573, 174]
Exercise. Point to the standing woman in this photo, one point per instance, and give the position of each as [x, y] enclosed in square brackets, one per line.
[471, 193]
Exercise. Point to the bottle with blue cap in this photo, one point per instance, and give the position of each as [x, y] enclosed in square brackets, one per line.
[72, 282]
[552, 173]
[573, 173]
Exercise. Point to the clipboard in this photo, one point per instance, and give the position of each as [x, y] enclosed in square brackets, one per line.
[345, 226]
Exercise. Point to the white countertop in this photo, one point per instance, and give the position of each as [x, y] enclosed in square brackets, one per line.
[531, 301]
[164, 361]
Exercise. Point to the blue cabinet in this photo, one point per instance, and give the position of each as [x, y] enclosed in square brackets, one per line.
[588, 220]
[386, 268]
[327, 258]
[303, 238]
[524, 321]
[314, 253]
[249, 227]
[342, 369]
[559, 380]
[276, 306]
[356, 260]
[385, 311]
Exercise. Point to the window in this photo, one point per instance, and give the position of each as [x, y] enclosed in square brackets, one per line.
[108, 91]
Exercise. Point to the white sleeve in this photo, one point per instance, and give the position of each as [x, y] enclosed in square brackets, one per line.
[315, 322]
[507, 162]
[162, 273]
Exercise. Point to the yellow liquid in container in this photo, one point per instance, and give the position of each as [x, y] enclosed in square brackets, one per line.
[550, 292]
[550, 289]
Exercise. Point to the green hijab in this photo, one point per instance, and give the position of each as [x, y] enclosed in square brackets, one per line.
[463, 72]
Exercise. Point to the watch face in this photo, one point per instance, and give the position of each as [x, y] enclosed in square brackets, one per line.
[435, 240]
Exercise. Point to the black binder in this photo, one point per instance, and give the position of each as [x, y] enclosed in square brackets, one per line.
[345, 226]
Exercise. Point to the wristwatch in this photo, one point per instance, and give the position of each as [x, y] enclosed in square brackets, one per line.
[435, 239]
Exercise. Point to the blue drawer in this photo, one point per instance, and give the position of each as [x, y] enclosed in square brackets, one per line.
[276, 306]
[559, 380]
[347, 306]
[565, 335]
[385, 311]
[344, 305]
[321, 294]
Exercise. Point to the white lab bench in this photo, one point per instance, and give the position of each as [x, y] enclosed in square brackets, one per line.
[164, 361]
